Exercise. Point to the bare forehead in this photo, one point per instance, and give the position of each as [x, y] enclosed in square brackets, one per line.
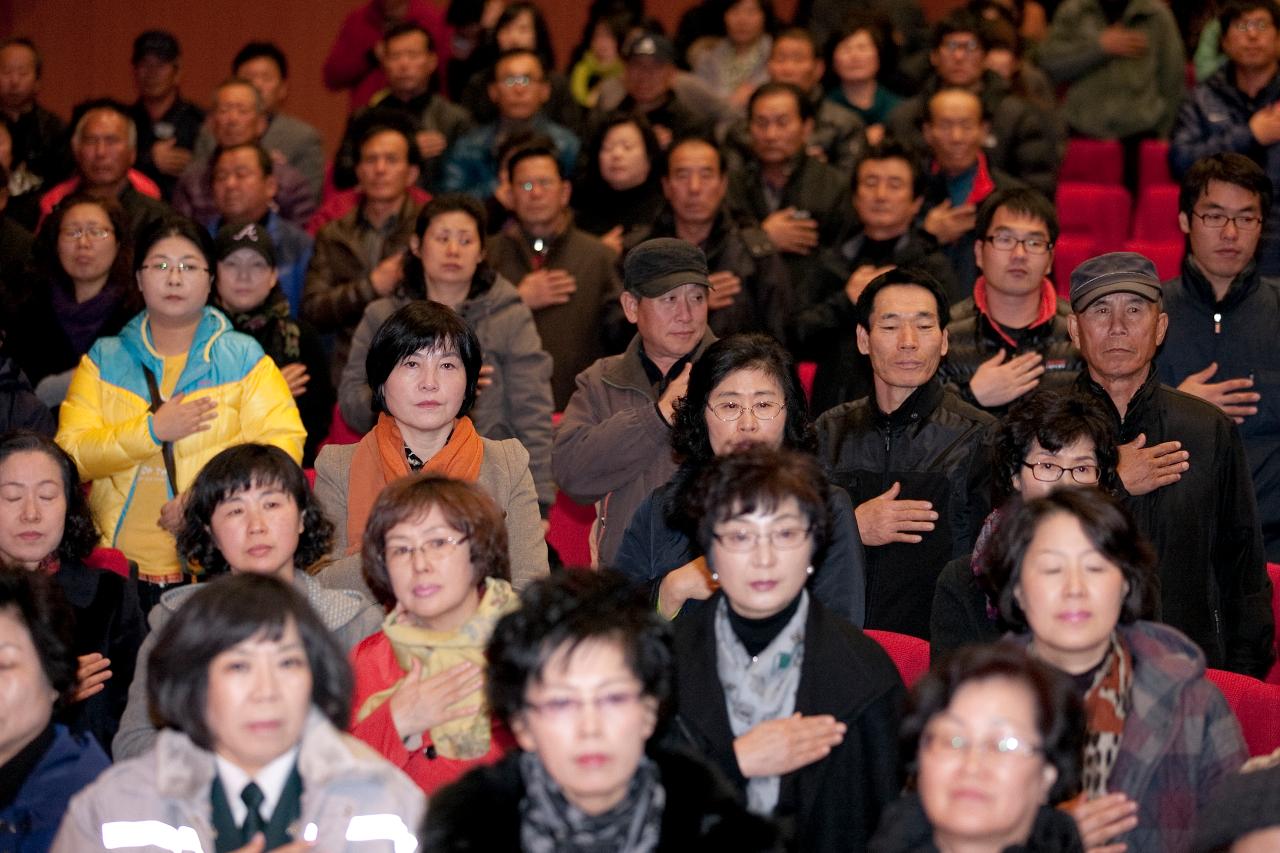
[905, 299]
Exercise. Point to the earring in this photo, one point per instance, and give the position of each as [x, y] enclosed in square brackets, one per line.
[715, 576]
[809, 570]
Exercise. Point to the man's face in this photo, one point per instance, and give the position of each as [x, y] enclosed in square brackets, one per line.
[18, 81]
[954, 130]
[520, 89]
[1223, 252]
[647, 79]
[539, 194]
[155, 78]
[959, 59]
[1118, 335]
[1250, 40]
[694, 184]
[408, 63]
[236, 120]
[240, 189]
[670, 325]
[904, 341]
[793, 61]
[1014, 272]
[103, 152]
[384, 173]
[885, 198]
[264, 74]
[777, 131]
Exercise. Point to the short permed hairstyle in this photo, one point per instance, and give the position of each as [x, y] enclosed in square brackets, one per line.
[466, 506]
[1020, 200]
[898, 276]
[79, 532]
[238, 469]
[1229, 168]
[37, 601]
[220, 616]
[49, 267]
[560, 613]
[420, 325]
[1106, 524]
[760, 479]
[1060, 717]
[1053, 419]
[892, 149]
[260, 50]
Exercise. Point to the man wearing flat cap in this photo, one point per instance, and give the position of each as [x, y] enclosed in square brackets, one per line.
[613, 444]
[1182, 464]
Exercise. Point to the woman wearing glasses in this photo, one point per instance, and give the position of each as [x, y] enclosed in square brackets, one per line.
[435, 556]
[993, 738]
[794, 705]
[147, 408]
[742, 392]
[1047, 441]
[1074, 576]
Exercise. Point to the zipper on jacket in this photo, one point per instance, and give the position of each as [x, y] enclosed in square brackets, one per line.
[1217, 322]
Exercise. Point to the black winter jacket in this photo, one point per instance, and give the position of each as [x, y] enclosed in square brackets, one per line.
[1213, 578]
[20, 408]
[906, 829]
[932, 445]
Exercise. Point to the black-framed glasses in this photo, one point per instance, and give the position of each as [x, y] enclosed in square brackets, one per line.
[731, 410]
[1006, 243]
[1047, 472]
[1242, 221]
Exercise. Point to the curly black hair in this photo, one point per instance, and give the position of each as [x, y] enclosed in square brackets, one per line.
[38, 603]
[233, 471]
[79, 534]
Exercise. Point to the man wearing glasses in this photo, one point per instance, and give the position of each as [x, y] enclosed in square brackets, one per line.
[1182, 464]
[1223, 317]
[1011, 337]
[1236, 108]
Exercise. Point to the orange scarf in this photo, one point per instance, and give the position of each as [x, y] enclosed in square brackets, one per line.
[379, 459]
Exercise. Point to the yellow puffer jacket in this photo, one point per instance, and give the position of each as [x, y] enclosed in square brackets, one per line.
[105, 422]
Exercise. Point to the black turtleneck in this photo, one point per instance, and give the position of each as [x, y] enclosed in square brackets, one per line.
[757, 634]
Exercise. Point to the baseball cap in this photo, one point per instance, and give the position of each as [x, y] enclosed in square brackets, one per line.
[249, 235]
[662, 264]
[1115, 272]
[651, 44]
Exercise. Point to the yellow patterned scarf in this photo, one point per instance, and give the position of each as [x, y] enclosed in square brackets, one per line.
[465, 737]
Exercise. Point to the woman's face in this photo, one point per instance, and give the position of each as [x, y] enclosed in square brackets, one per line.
[1079, 461]
[429, 564]
[26, 698]
[856, 59]
[977, 793]
[587, 719]
[426, 389]
[744, 22]
[519, 32]
[450, 249]
[87, 243]
[244, 280]
[33, 507]
[763, 558]
[737, 395]
[257, 531]
[624, 162]
[172, 295]
[604, 44]
[258, 697]
[1071, 594]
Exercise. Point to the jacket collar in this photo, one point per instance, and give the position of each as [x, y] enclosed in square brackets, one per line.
[1137, 405]
[1044, 314]
[1241, 289]
[915, 409]
[665, 226]
[136, 336]
[627, 371]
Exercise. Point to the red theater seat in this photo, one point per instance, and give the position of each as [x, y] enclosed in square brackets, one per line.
[1153, 164]
[1273, 569]
[1095, 161]
[1101, 212]
[910, 654]
[1165, 254]
[1156, 215]
[1069, 252]
[1255, 705]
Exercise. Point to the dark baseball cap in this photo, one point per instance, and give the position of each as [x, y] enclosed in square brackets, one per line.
[158, 43]
[1115, 272]
[652, 45]
[249, 235]
[664, 263]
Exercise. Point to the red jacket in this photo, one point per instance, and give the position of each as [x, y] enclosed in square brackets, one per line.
[376, 669]
[350, 64]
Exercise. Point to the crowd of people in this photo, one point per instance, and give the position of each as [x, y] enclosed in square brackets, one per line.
[283, 421]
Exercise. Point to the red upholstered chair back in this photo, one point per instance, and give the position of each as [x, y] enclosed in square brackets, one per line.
[1255, 704]
[1156, 215]
[1069, 252]
[1273, 570]
[910, 654]
[1153, 163]
[1095, 210]
[1093, 160]
[1165, 254]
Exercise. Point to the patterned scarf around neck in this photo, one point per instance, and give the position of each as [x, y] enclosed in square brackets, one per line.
[271, 325]
[1106, 705]
[549, 823]
[467, 737]
[760, 688]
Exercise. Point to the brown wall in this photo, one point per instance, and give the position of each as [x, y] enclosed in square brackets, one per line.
[86, 45]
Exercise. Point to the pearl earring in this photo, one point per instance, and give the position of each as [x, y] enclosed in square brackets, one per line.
[809, 570]
[715, 576]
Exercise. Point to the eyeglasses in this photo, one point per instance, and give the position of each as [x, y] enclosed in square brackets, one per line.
[731, 410]
[512, 81]
[1255, 26]
[94, 233]
[1243, 221]
[782, 538]
[961, 45]
[540, 183]
[952, 746]
[161, 268]
[1007, 242]
[436, 546]
[1047, 472]
[563, 709]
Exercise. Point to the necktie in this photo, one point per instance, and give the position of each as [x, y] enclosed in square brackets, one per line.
[253, 823]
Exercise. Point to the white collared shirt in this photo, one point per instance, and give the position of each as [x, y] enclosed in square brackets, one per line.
[271, 779]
